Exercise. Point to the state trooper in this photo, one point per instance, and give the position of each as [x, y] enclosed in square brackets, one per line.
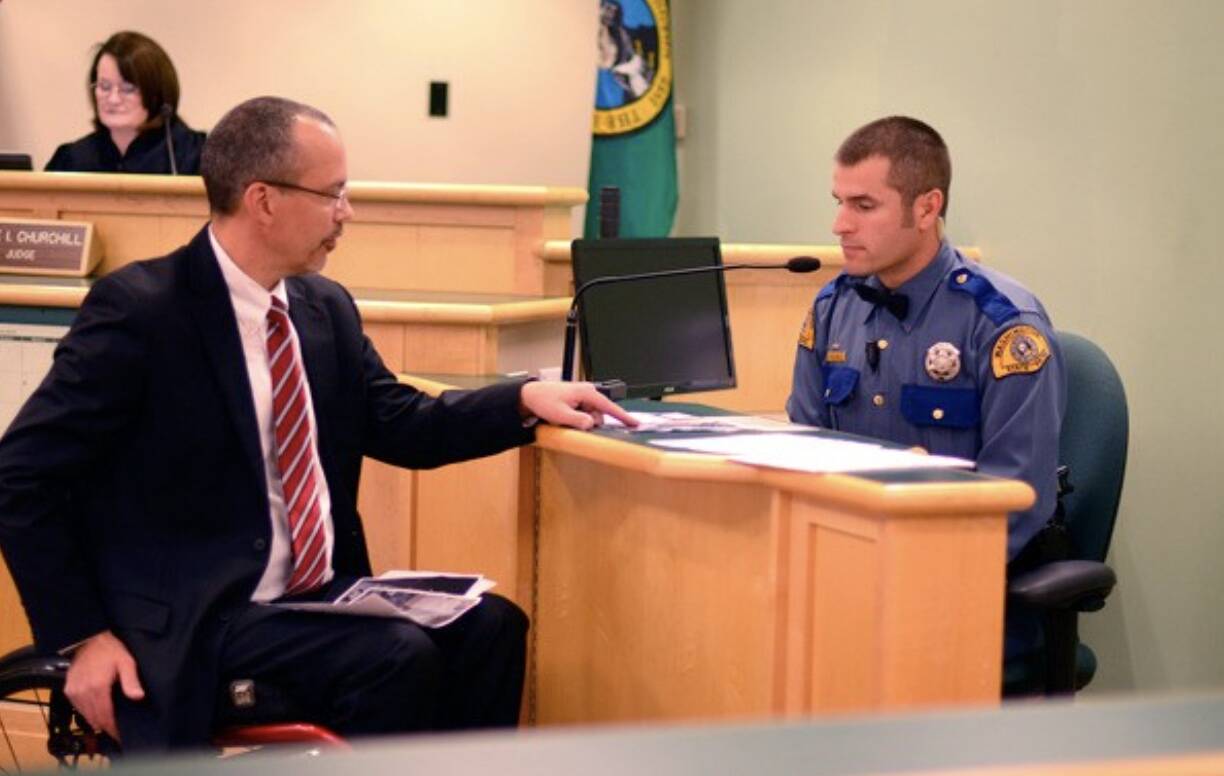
[915, 344]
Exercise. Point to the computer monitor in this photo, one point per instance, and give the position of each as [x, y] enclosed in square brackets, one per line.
[659, 335]
[16, 161]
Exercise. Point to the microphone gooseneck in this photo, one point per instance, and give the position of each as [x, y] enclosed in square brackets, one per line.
[167, 114]
[796, 264]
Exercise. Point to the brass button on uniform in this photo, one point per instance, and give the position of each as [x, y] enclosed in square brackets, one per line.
[962, 278]
[882, 344]
[937, 413]
[878, 400]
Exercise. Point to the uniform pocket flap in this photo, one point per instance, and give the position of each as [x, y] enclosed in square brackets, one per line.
[839, 382]
[139, 613]
[925, 405]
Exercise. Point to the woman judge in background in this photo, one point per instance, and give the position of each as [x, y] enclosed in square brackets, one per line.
[134, 91]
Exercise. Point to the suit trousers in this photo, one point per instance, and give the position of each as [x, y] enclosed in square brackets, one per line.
[375, 676]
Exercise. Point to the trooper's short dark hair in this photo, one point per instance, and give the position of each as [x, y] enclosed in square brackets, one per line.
[918, 158]
[253, 141]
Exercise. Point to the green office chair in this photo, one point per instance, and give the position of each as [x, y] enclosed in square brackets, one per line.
[1093, 447]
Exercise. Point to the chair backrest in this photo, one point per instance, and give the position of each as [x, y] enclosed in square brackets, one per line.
[1093, 444]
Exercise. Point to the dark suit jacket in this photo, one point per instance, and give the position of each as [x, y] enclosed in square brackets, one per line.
[96, 152]
[132, 492]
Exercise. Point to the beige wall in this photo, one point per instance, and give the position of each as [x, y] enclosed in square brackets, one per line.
[1088, 155]
[521, 80]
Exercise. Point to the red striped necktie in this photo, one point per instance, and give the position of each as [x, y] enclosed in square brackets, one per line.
[295, 456]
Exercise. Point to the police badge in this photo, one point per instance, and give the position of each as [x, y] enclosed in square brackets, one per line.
[943, 361]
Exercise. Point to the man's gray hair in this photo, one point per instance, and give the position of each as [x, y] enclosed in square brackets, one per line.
[253, 142]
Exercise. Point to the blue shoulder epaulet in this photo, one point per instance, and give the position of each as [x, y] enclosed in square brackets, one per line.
[993, 303]
[831, 287]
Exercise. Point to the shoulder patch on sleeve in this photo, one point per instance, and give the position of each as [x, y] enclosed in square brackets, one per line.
[807, 334]
[1020, 350]
[993, 303]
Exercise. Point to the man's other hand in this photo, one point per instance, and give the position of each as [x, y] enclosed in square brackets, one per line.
[96, 665]
[577, 405]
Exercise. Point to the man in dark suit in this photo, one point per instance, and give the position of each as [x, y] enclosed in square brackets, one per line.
[195, 452]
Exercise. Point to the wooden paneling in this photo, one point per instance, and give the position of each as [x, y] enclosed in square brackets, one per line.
[675, 586]
[468, 521]
[402, 236]
[24, 730]
[657, 599]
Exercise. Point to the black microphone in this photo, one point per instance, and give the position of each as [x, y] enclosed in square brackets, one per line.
[796, 264]
[167, 113]
[609, 211]
[802, 264]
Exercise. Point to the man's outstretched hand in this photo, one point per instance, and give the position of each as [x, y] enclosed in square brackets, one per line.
[577, 405]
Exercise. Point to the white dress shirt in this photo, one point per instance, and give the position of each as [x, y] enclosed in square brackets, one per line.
[251, 304]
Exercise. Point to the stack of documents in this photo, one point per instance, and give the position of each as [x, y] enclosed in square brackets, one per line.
[684, 423]
[811, 452]
[428, 598]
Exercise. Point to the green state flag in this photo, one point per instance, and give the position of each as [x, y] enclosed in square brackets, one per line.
[634, 145]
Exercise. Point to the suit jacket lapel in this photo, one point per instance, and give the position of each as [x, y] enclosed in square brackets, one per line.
[317, 340]
[210, 305]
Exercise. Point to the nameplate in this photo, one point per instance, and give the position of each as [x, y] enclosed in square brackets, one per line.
[36, 247]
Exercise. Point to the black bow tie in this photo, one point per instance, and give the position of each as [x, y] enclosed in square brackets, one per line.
[897, 304]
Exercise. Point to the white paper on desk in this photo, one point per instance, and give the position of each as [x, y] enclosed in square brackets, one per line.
[683, 422]
[812, 453]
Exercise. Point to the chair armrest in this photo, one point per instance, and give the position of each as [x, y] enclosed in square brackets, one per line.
[1081, 585]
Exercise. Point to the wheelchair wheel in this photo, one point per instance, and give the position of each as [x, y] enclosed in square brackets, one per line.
[38, 726]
